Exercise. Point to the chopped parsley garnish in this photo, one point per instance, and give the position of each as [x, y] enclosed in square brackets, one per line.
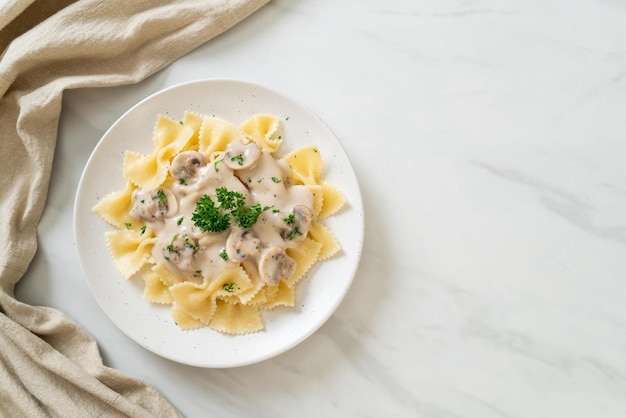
[183, 182]
[293, 234]
[190, 244]
[161, 195]
[275, 179]
[127, 225]
[289, 219]
[170, 247]
[180, 220]
[143, 230]
[238, 159]
[217, 170]
[180, 122]
[224, 255]
[230, 287]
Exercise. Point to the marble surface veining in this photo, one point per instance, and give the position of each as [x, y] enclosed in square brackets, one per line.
[489, 140]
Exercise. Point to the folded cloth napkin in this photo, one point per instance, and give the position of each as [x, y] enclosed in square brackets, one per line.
[49, 365]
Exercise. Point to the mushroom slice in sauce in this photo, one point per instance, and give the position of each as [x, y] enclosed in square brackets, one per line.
[240, 244]
[298, 223]
[153, 205]
[185, 166]
[275, 265]
[181, 251]
[239, 156]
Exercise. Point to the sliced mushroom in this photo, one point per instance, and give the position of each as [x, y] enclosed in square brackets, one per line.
[275, 265]
[239, 156]
[153, 205]
[185, 166]
[240, 244]
[298, 224]
[181, 251]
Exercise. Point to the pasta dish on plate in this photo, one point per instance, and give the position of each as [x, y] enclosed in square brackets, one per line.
[216, 224]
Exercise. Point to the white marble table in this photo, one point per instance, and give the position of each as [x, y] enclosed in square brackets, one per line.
[489, 140]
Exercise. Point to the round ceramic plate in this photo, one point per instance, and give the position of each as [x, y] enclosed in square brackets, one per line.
[150, 325]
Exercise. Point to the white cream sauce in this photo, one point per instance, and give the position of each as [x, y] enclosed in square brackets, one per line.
[194, 255]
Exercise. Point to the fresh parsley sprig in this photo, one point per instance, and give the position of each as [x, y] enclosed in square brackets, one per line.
[209, 217]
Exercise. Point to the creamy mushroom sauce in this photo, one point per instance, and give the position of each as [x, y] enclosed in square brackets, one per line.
[194, 255]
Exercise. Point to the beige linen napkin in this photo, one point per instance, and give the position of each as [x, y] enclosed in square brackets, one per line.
[49, 366]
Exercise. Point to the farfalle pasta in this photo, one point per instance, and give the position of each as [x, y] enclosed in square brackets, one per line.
[216, 225]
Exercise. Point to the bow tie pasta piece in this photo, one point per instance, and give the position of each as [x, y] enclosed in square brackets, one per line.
[167, 277]
[235, 318]
[263, 296]
[305, 254]
[318, 198]
[193, 121]
[281, 295]
[155, 290]
[130, 249]
[264, 130]
[332, 199]
[150, 171]
[183, 320]
[215, 135]
[266, 297]
[167, 132]
[115, 208]
[328, 244]
[306, 165]
[327, 199]
[130, 159]
[198, 300]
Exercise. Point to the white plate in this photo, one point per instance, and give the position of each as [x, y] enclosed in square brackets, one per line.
[150, 325]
